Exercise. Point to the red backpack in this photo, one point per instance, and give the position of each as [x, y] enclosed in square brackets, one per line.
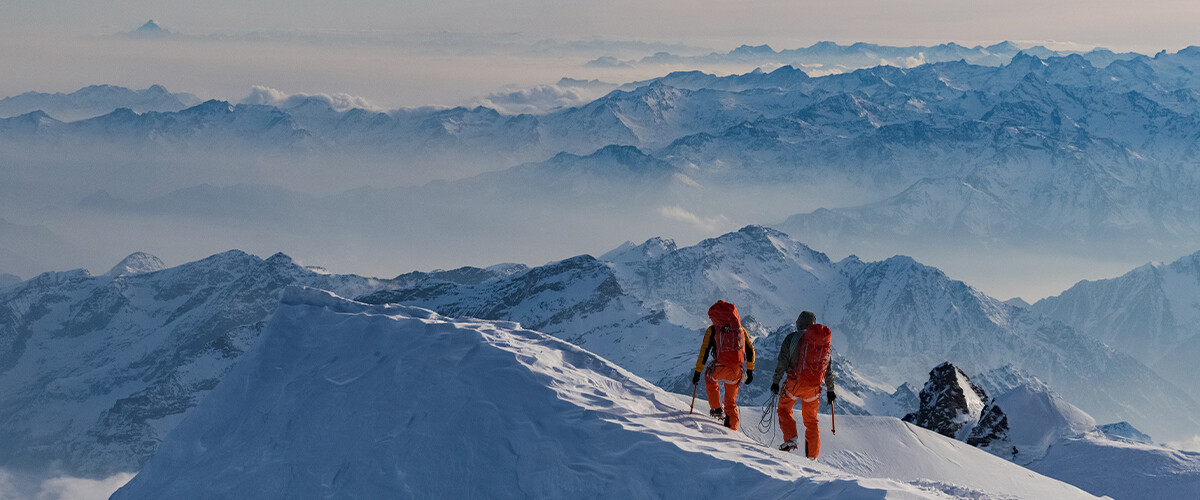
[728, 340]
[812, 356]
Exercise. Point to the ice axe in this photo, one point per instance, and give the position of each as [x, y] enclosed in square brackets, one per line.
[832, 418]
[693, 405]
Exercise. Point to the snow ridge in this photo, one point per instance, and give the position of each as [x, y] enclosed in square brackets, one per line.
[314, 410]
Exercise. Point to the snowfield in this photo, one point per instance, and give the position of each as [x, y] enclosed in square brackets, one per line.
[372, 401]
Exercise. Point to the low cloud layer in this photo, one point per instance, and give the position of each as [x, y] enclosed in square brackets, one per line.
[680, 214]
[543, 98]
[16, 487]
[1192, 444]
[339, 102]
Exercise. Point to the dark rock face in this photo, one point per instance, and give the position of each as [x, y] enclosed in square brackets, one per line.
[992, 431]
[950, 403]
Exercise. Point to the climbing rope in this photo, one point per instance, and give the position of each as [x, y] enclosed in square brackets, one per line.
[767, 421]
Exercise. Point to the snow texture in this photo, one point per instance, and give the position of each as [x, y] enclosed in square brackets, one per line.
[348, 399]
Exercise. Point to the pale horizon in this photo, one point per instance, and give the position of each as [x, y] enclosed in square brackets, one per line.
[448, 54]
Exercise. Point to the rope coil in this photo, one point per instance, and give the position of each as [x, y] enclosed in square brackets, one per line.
[767, 421]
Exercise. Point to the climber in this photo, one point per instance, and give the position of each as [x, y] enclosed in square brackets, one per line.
[730, 345]
[804, 358]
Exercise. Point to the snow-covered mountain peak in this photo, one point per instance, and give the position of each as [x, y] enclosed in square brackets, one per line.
[1124, 431]
[1005, 47]
[137, 263]
[95, 370]
[631, 252]
[1006, 378]
[765, 243]
[280, 259]
[157, 90]
[1151, 313]
[753, 50]
[612, 160]
[209, 107]
[150, 29]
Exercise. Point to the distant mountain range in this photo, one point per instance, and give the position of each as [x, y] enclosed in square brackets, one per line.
[96, 100]
[1057, 153]
[832, 57]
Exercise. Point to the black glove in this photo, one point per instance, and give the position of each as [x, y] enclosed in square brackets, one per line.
[749, 376]
[775, 388]
[830, 396]
[695, 378]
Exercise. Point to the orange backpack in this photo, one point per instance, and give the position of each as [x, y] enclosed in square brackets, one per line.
[812, 356]
[728, 341]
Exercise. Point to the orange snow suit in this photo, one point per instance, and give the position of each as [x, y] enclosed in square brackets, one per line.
[804, 357]
[810, 399]
[731, 348]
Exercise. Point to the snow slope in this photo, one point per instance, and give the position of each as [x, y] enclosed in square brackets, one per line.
[348, 399]
[1037, 419]
[1055, 438]
[886, 447]
[1122, 470]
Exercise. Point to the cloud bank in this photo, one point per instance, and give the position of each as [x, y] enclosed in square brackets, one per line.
[544, 98]
[339, 102]
[680, 214]
[15, 487]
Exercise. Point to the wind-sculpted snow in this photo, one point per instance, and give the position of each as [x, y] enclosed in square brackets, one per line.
[349, 399]
[892, 320]
[94, 370]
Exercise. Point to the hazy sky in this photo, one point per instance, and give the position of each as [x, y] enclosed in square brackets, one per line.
[55, 45]
[1119, 23]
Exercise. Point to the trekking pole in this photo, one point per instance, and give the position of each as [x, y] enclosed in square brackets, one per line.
[832, 418]
[693, 405]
